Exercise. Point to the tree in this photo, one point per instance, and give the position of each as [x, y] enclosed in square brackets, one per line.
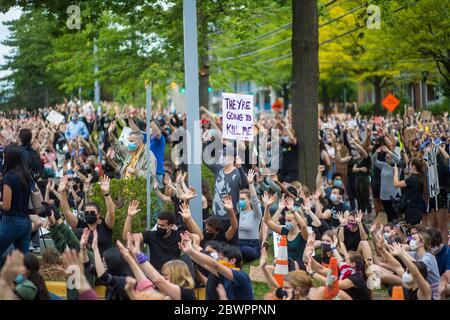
[32, 86]
[305, 77]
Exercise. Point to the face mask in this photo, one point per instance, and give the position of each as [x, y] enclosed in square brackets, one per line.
[132, 146]
[242, 204]
[288, 226]
[407, 278]
[19, 279]
[413, 245]
[90, 218]
[351, 225]
[214, 255]
[285, 139]
[326, 247]
[337, 183]
[387, 235]
[333, 198]
[281, 294]
[161, 232]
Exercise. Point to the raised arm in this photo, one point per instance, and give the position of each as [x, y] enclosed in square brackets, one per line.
[268, 200]
[111, 208]
[228, 205]
[190, 223]
[397, 183]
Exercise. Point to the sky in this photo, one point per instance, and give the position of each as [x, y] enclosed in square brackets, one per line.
[12, 14]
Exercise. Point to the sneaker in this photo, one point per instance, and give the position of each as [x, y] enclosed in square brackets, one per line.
[36, 250]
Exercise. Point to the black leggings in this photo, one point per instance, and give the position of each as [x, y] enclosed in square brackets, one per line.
[389, 209]
[363, 194]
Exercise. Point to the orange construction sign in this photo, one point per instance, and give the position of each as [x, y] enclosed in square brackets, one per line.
[390, 102]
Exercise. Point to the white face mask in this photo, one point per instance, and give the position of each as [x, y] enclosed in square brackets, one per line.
[407, 278]
[413, 245]
[214, 255]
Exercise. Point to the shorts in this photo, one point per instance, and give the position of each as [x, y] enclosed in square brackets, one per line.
[442, 201]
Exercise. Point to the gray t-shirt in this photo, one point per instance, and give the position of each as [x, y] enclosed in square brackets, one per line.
[230, 184]
[387, 188]
[249, 221]
[433, 277]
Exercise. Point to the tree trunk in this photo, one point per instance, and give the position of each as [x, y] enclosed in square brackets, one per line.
[377, 88]
[305, 79]
[203, 55]
[325, 98]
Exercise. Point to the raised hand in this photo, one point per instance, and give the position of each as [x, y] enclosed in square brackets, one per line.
[342, 219]
[105, 184]
[95, 240]
[191, 193]
[359, 216]
[133, 208]
[12, 267]
[290, 203]
[238, 161]
[251, 176]
[185, 211]
[282, 203]
[227, 202]
[84, 238]
[63, 184]
[268, 199]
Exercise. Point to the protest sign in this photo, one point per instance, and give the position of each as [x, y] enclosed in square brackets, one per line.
[55, 118]
[410, 133]
[124, 136]
[426, 115]
[237, 111]
[410, 111]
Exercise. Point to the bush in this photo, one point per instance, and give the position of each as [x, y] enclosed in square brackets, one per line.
[366, 109]
[439, 108]
[123, 191]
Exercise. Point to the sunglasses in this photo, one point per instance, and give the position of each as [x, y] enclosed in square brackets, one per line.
[90, 212]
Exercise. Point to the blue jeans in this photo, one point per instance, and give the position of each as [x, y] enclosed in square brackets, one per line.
[15, 230]
[251, 249]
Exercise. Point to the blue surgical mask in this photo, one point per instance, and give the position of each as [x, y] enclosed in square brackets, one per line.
[132, 146]
[337, 183]
[288, 225]
[333, 198]
[19, 279]
[242, 204]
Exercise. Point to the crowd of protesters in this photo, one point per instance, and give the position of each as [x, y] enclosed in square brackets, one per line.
[379, 206]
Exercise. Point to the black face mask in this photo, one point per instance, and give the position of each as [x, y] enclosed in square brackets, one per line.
[161, 232]
[281, 294]
[90, 218]
[326, 247]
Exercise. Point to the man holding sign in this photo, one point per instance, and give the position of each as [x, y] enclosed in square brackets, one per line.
[237, 111]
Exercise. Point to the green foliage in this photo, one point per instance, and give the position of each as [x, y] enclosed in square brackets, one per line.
[439, 108]
[366, 109]
[123, 191]
[208, 175]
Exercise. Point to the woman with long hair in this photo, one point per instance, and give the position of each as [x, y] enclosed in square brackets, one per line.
[15, 226]
[32, 274]
[415, 191]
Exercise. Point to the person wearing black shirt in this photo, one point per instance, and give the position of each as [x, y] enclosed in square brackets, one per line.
[289, 163]
[163, 242]
[92, 217]
[32, 158]
[334, 207]
[355, 235]
[413, 186]
[361, 171]
[15, 226]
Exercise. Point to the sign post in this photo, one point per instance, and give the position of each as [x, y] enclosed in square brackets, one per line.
[148, 107]
[194, 143]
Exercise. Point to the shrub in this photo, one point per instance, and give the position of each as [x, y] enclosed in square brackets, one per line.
[366, 109]
[123, 191]
[439, 108]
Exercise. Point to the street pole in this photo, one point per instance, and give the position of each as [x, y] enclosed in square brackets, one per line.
[194, 144]
[148, 107]
[97, 102]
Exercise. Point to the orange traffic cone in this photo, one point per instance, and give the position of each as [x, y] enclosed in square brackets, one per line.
[332, 286]
[281, 264]
[397, 293]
